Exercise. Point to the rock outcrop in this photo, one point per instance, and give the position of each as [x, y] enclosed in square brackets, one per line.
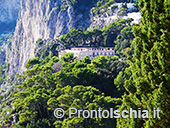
[110, 15]
[44, 19]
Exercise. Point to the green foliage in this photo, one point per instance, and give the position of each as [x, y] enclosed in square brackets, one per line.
[39, 41]
[50, 82]
[149, 86]
[2, 73]
[84, 98]
[127, 1]
[124, 41]
[5, 39]
[32, 62]
[123, 10]
[102, 5]
[80, 84]
[43, 50]
[31, 100]
[79, 3]
[73, 37]
[68, 57]
[73, 2]
[106, 77]
[77, 73]
[6, 101]
[136, 7]
[95, 37]
[99, 73]
[119, 81]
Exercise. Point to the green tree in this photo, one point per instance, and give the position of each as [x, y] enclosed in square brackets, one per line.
[119, 81]
[32, 62]
[96, 37]
[149, 86]
[106, 78]
[68, 57]
[83, 98]
[73, 37]
[32, 95]
[43, 90]
[2, 73]
[124, 41]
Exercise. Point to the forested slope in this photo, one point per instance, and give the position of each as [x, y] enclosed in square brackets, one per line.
[140, 81]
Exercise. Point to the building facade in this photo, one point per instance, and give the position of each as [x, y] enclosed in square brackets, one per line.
[81, 52]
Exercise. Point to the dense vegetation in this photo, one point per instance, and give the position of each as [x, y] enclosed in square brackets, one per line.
[123, 42]
[5, 39]
[149, 86]
[46, 47]
[98, 3]
[48, 80]
[2, 73]
[118, 34]
[101, 6]
[65, 82]
[104, 82]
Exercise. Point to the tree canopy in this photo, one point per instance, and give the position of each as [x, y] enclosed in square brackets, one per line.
[149, 85]
[66, 83]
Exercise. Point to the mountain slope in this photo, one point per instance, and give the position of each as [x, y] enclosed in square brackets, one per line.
[48, 19]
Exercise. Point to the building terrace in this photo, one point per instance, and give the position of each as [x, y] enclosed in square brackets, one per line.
[81, 52]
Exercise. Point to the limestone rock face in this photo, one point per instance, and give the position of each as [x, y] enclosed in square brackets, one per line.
[110, 16]
[44, 19]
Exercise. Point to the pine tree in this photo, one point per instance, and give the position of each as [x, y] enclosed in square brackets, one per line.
[149, 86]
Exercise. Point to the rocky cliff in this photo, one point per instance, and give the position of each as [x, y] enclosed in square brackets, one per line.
[44, 19]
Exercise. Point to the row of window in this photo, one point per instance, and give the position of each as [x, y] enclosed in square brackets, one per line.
[94, 53]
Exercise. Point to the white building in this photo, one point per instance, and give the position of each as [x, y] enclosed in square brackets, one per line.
[81, 52]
